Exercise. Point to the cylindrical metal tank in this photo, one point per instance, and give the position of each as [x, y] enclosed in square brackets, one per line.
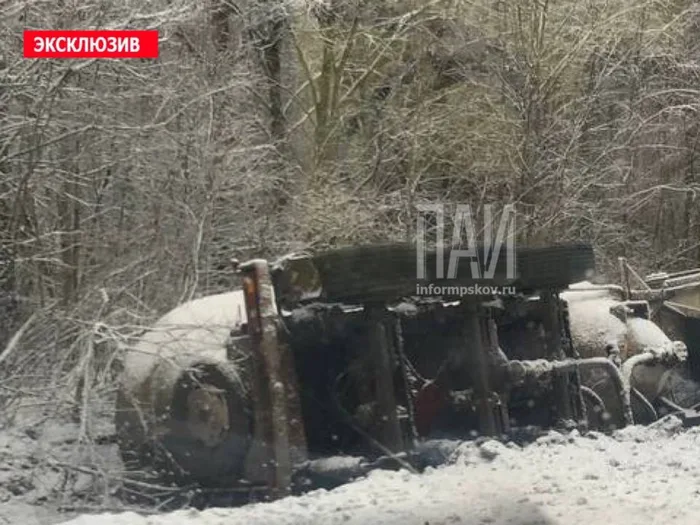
[183, 407]
[597, 332]
[594, 329]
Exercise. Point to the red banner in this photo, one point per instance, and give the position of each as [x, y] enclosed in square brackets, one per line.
[90, 44]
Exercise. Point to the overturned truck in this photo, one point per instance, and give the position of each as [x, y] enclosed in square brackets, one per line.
[336, 354]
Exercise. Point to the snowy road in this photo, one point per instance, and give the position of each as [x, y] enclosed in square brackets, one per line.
[643, 475]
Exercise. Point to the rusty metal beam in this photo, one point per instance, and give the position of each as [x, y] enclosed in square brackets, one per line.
[279, 438]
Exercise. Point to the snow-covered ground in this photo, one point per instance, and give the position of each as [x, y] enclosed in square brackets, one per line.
[640, 475]
[37, 449]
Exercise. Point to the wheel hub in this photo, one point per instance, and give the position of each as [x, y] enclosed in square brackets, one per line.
[208, 415]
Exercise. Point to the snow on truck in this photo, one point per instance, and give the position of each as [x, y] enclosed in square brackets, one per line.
[332, 354]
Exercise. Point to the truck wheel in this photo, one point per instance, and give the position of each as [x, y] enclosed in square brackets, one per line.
[211, 429]
[208, 432]
[389, 271]
[554, 266]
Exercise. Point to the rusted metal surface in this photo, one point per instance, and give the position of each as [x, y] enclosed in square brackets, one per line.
[279, 440]
[253, 297]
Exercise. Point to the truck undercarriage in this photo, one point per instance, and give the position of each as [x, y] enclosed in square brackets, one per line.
[336, 355]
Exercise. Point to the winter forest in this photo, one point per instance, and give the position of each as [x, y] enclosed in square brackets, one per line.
[270, 126]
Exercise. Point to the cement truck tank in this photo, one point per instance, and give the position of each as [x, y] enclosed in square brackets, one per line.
[603, 324]
[183, 407]
[594, 329]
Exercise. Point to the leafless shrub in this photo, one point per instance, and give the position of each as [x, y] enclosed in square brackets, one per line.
[269, 126]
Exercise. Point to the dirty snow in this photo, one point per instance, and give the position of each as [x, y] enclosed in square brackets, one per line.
[641, 475]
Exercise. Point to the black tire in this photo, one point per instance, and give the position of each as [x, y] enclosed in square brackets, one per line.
[554, 266]
[385, 272]
[366, 273]
[189, 460]
[183, 459]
